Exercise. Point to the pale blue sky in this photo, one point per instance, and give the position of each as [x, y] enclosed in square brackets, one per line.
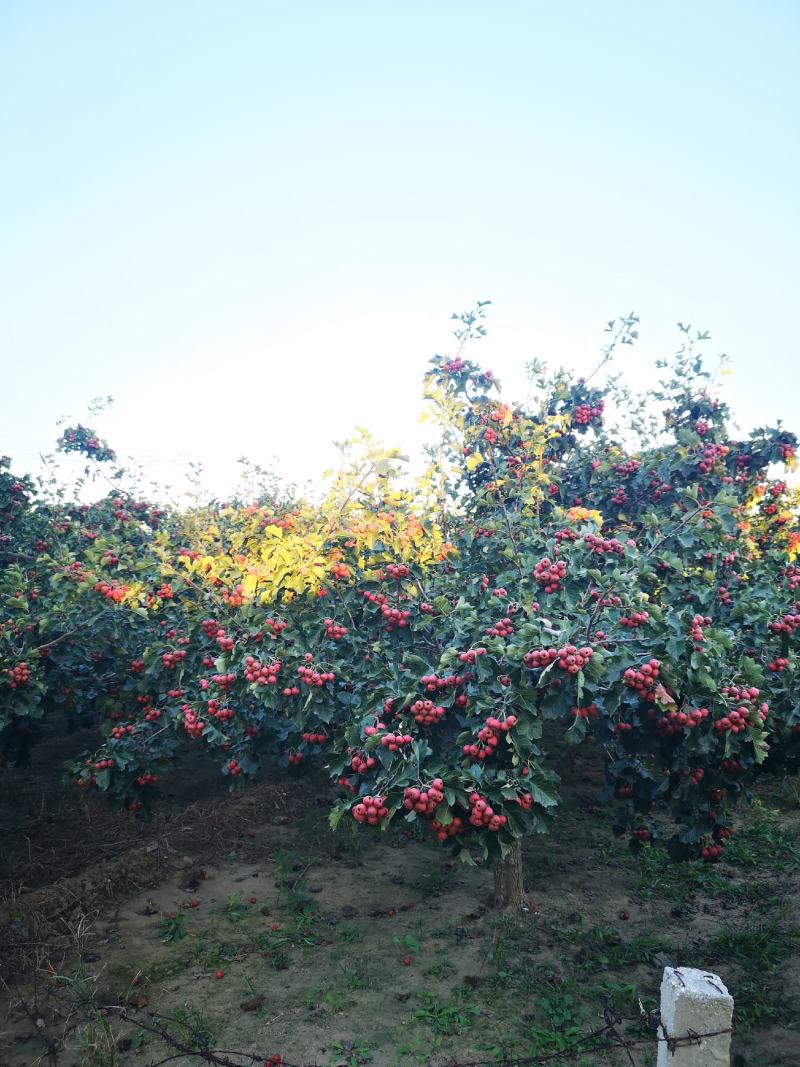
[249, 221]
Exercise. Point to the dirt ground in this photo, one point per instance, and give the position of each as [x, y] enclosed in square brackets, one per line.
[243, 924]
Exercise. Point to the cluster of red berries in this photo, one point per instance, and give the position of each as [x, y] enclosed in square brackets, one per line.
[642, 834]
[453, 366]
[622, 728]
[346, 784]
[525, 801]
[118, 732]
[710, 455]
[569, 658]
[361, 763]
[624, 791]
[395, 618]
[224, 643]
[724, 596]
[310, 677]
[172, 659]
[731, 766]
[445, 830]
[785, 625]
[374, 598]
[426, 713]
[318, 738]
[503, 628]
[18, 675]
[424, 801]
[115, 593]
[397, 571]
[628, 467]
[146, 779]
[741, 693]
[152, 715]
[550, 575]
[604, 545]
[235, 597]
[588, 712]
[211, 627]
[275, 626]
[697, 775]
[433, 683]
[216, 711]
[102, 764]
[394, 742]
[482, 814]
[370, 810]
[233, 768]
[339, 570]
[737, 720]
[674, 721]
[585, 413]
[620, 497]
[472, 655]
[711, 852]
[696, 630]
[294, 759]
[224, 681]
[193, 725]
[333, 630]
[489, 736]
[779, 664]
[643, 680]
[610, 600]
[540, 657]
[261, 673]
[636, 618]
[566, 535]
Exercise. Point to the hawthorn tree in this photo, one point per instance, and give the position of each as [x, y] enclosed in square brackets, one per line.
[553, 576]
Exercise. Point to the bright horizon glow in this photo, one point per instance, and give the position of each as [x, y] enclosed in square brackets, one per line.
[249, 222]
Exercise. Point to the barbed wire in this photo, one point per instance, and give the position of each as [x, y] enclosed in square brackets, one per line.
[605, 1038]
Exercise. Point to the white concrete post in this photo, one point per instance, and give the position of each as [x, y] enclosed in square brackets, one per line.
[694, 1002]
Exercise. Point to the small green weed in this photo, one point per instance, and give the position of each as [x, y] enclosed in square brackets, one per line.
[195, 1028]
[351, 1053]
[758, 946]
[172, 927]
[236, 909]
[444, 1016]
[764, 841]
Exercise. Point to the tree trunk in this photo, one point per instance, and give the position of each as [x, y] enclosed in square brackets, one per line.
[508, 888]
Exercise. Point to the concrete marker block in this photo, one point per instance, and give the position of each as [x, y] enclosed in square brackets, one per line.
[694, 1002]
